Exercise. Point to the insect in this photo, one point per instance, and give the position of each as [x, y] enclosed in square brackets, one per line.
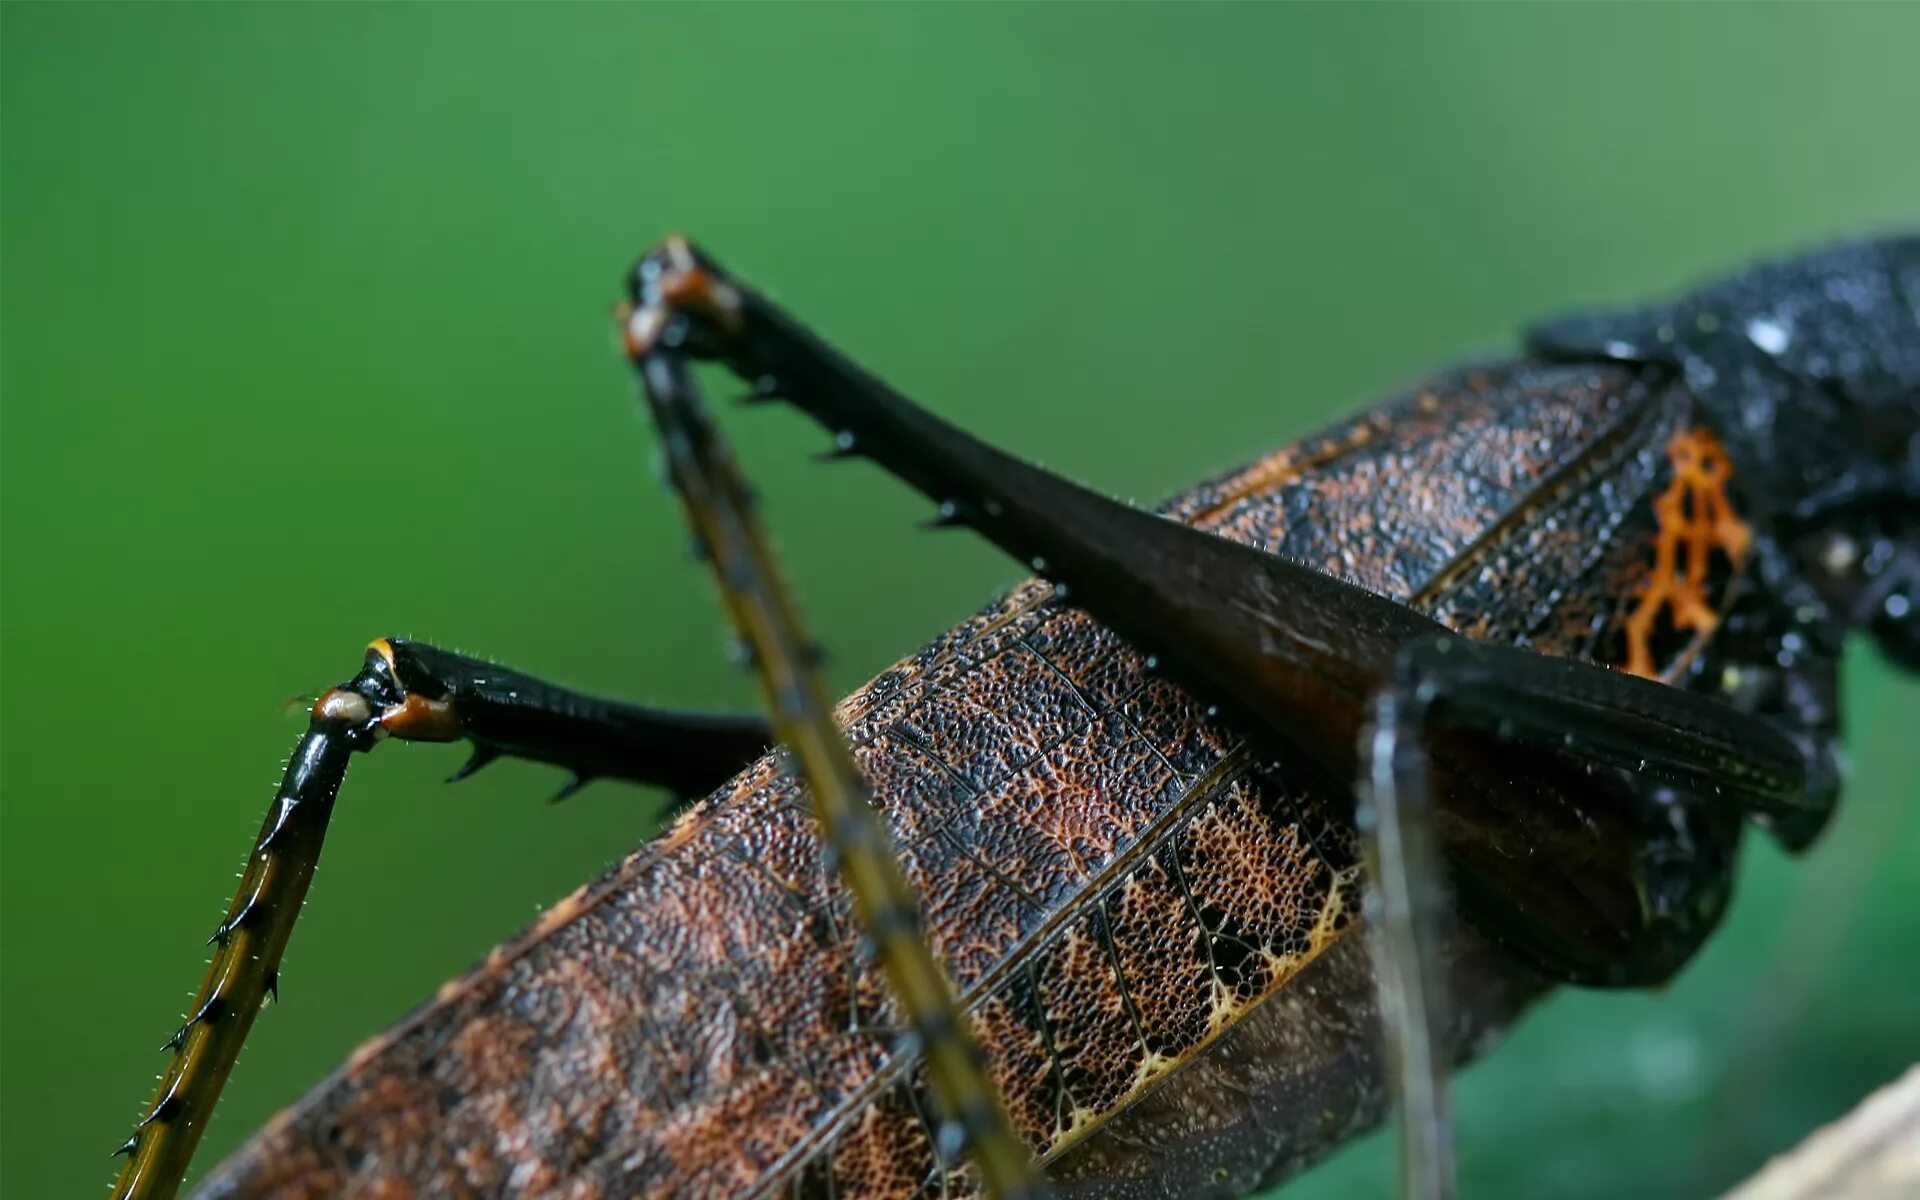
[1533, 641]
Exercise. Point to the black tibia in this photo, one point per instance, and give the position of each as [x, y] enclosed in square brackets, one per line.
[503, 712]
[1185, 595]
[413, 692]
[719, 508]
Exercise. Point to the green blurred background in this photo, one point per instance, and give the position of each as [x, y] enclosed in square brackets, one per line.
[306, 340]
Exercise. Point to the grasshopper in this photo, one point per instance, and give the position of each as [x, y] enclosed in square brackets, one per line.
[1498, 672]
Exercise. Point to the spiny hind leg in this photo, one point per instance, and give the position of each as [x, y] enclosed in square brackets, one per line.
[1197, 601]
[413, 692]
[1299, 656]
[719, 508]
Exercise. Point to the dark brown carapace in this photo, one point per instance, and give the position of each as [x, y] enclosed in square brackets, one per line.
[1148, 907]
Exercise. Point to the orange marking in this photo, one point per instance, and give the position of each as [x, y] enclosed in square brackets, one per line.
[691, 286]
[418, 719]
[1700, 474]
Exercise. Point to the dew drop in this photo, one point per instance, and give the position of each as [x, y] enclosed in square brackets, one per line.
[1768, 334]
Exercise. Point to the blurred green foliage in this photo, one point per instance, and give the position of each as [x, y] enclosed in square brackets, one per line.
[306, 341]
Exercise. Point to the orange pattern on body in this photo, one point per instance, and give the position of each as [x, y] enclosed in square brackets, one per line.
[1693, 512]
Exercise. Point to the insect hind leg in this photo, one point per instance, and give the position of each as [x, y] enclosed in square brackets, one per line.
[1545, 753]
[668, 285]
[1697, 768]
[1406, 914]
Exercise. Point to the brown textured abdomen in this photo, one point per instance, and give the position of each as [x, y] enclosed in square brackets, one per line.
[1117, 885]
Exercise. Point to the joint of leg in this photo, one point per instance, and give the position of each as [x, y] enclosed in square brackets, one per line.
[676, 280]
[342, 707]
[382, 701]
[419, 719]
